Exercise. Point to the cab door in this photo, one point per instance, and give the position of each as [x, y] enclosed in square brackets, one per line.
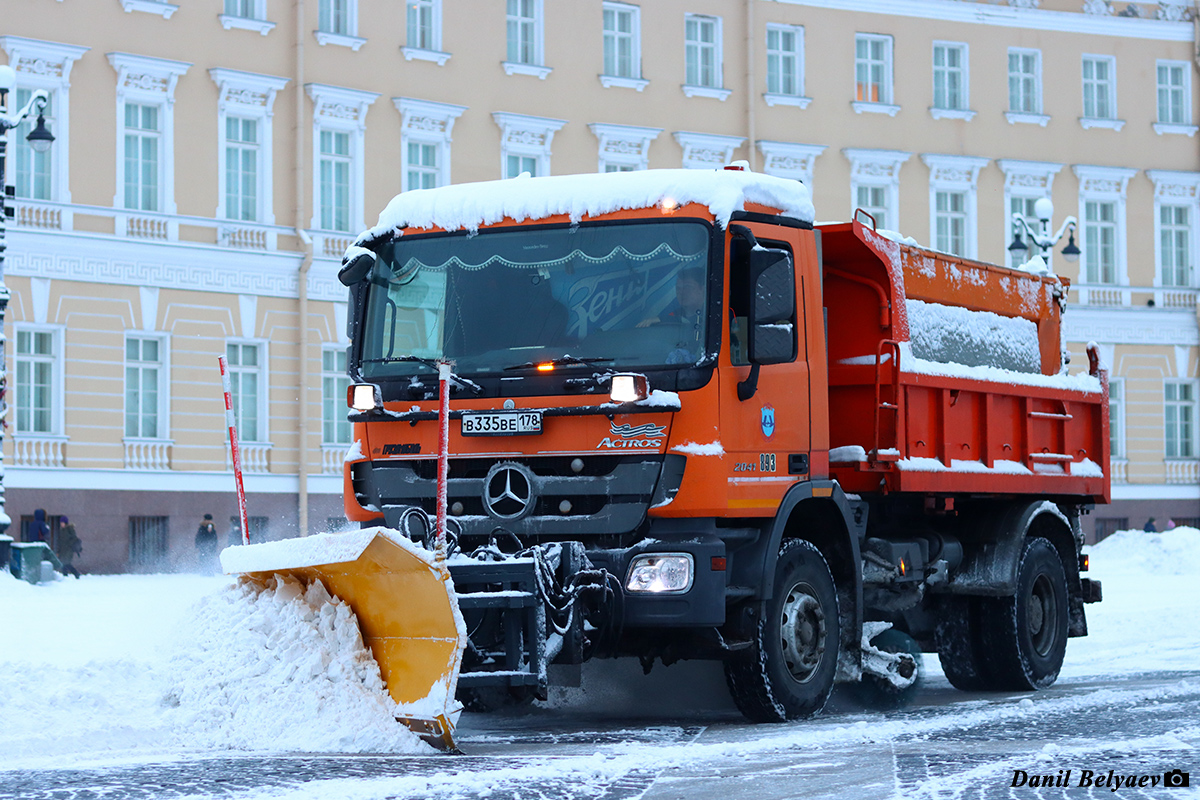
[765, 420]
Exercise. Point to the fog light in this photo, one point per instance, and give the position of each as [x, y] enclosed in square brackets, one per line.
[661, 573]
[629, 387]
[364, 397]
[564, 507]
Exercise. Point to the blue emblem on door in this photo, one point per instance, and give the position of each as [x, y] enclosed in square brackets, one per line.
[768, 421]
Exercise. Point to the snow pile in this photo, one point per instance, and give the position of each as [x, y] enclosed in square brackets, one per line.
[973, 338]
[1078, 381]
[282, 669]
[1173, 552]
[467, 206]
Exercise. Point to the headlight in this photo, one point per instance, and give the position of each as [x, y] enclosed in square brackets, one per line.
[629, 387]
[364, 397]
[661, 573]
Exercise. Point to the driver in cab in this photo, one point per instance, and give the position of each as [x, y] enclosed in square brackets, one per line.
[685, 310]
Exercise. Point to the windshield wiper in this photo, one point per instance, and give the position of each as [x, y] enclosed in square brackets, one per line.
[457, 380]
[561, 361]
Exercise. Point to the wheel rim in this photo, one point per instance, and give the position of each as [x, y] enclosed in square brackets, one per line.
[802, 631]
[1042, 615]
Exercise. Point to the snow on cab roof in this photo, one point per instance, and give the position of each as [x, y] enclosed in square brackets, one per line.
[467, 206]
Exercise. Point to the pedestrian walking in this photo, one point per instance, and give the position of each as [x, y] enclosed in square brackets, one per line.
[68, 546]
[206, 544]
[1149, 527]
[39, 531]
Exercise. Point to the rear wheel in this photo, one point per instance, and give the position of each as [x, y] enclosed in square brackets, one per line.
[1027, 634]
[788, 671]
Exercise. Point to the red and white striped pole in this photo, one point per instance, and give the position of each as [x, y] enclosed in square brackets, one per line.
[233, 446]
[443, 452]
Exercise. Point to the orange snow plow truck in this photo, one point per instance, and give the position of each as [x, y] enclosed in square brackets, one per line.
[687, 423]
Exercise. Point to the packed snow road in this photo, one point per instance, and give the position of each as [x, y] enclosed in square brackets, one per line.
[186, 686]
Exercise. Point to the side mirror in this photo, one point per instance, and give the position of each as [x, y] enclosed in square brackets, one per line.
[356, 265]
[772, 307]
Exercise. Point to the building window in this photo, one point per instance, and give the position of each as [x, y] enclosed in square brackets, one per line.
[33, 171]
[1180, 418]
[241, 169]
[525, 143]
[1025, 81]
[335, 428]
[1100, 241]
[950, 76]
[334, 180]
[1175, 245]
[420, 166]
[259, 529]
[516, 165]
[1107, 526]
[1174, 91]
[1024, 207]
[702, 51]
[336, 16]
[425, 141]
[424, 24]
[143, 382]
[874, 201]
[1099, 87]
[1116, 418]
[37, 366]
[623, 148]
[245, 380]
[246, 9]
[524, 27]
[872, 68]
[785, 60]
[142, 142]
[148, 538]
[622, 41]
[950, 223]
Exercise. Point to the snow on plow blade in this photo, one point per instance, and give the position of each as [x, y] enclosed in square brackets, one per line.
[405, 603]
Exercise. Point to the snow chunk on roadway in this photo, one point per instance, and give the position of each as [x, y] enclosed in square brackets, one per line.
[467, 206]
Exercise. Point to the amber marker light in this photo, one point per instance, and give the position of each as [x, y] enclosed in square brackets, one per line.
[545, 368]
[669, 205]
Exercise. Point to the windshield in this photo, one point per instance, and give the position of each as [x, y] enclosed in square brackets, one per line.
[615, 295]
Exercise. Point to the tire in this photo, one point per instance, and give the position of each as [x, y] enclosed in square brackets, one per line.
[787, 673]
[1026, 635]
[959, 641]
[875, 692]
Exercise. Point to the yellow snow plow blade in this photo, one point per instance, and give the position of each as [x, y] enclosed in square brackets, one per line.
[406, 607]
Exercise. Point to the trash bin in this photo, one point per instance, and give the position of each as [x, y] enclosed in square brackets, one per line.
[27, 558]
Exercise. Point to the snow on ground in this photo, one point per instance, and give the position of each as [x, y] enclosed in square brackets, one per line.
[146, 666]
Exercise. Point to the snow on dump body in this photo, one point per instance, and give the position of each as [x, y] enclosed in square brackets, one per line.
[973, 338]
[467, 206]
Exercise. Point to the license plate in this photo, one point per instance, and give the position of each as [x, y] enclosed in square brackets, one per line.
[506, 423]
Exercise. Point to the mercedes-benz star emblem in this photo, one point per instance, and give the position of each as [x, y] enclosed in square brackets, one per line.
[508, 490]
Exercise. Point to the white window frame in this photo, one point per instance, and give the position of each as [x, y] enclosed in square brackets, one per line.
[148, 81]
[428, 123]
[878, 168]
[343, 110]
[963, 110]
[1035, 116]
[536, 66]
[1184, 126]
[956, 175]
[1107, 89]
[707, 150]
[715, 90]
[251, 96]
[1192, 406]
[790, 159]
[528, 137]
[1116, 417]
[264, 388]
[885, 103]
[623, 146]
[1175, 189]
[434, 51]
[47, 65]
[337, 399]
[21, 149]
[796, 98]
[58, 376]
[255, 21]
[348, 38]
[164, 383]
[1105, 185]
[1026, 181]
[633, 80]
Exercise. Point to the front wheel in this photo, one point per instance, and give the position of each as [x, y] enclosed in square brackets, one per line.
[787, 672]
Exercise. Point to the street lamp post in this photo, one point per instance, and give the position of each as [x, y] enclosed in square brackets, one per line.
[1043, 240]
[40, 140]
